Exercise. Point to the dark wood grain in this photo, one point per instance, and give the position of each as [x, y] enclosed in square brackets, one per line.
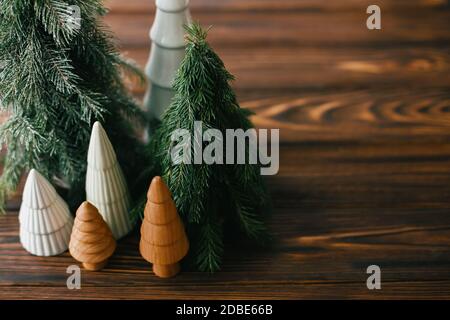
[138, 6]
[279, 70]
[296, 29]
[364, 162]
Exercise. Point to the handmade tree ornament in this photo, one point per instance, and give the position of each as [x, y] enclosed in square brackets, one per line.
[163, 239]
[45, 219]
[91, 242]
[167, 52]
[106, 187]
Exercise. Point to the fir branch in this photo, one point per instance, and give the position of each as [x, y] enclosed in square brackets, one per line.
[56, 17]
[61, 73]
[210, 246]
[92, 105]
[196, 34]
[19, 129]
[250, 222]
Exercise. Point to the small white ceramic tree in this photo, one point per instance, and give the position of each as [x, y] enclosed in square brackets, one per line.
[167, 52]
[106, 187]
[45, 219]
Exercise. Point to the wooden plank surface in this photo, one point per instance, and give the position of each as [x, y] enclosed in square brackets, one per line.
[292, 29]
[138, 6]
[364, 163]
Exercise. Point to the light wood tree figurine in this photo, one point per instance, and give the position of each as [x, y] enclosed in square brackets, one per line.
[91, 242]
[163, 238]
[106, 187]
[45, 219]
[167, 52]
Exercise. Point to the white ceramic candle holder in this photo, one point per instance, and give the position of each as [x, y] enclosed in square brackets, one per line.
[45, 219]
[106, 187]
[167, 52]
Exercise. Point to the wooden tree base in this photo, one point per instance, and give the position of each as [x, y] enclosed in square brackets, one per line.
[167, 270]
[94, 266]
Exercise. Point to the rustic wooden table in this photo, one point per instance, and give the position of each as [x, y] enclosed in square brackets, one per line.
[365, 156]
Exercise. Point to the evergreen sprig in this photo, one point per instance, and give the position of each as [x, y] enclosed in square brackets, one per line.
[209, 197]
[55, 81]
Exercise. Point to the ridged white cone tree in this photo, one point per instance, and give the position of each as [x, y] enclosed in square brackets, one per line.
[106, 187]
[167, 52]
[45, 219]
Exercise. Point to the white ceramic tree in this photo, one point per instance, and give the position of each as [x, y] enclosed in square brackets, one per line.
[167, 52]
[106, 187]
[45, 219]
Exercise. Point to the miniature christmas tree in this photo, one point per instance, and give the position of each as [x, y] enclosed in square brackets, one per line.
[209, 196]
[163, 239]
[60, 74]
[167, 52]
[106, 187]
[45, 219]
[91, 242]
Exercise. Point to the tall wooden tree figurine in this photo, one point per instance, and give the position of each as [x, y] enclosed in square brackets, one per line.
[91, 242]
[167, 52]
[45, 219]
[163, 239]
[106, 187]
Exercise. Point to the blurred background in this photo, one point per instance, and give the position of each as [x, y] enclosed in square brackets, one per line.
[312, 68]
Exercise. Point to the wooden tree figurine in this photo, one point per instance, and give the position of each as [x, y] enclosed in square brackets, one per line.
[163, 239]
[45, 219]
[106, 187]
[91, 242]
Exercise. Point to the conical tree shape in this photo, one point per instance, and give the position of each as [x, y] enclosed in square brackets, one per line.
[106, 187]
[45, 219]
[91, 242]
[163, 239]
[209, 197]
[58, 77]
[167, 52]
